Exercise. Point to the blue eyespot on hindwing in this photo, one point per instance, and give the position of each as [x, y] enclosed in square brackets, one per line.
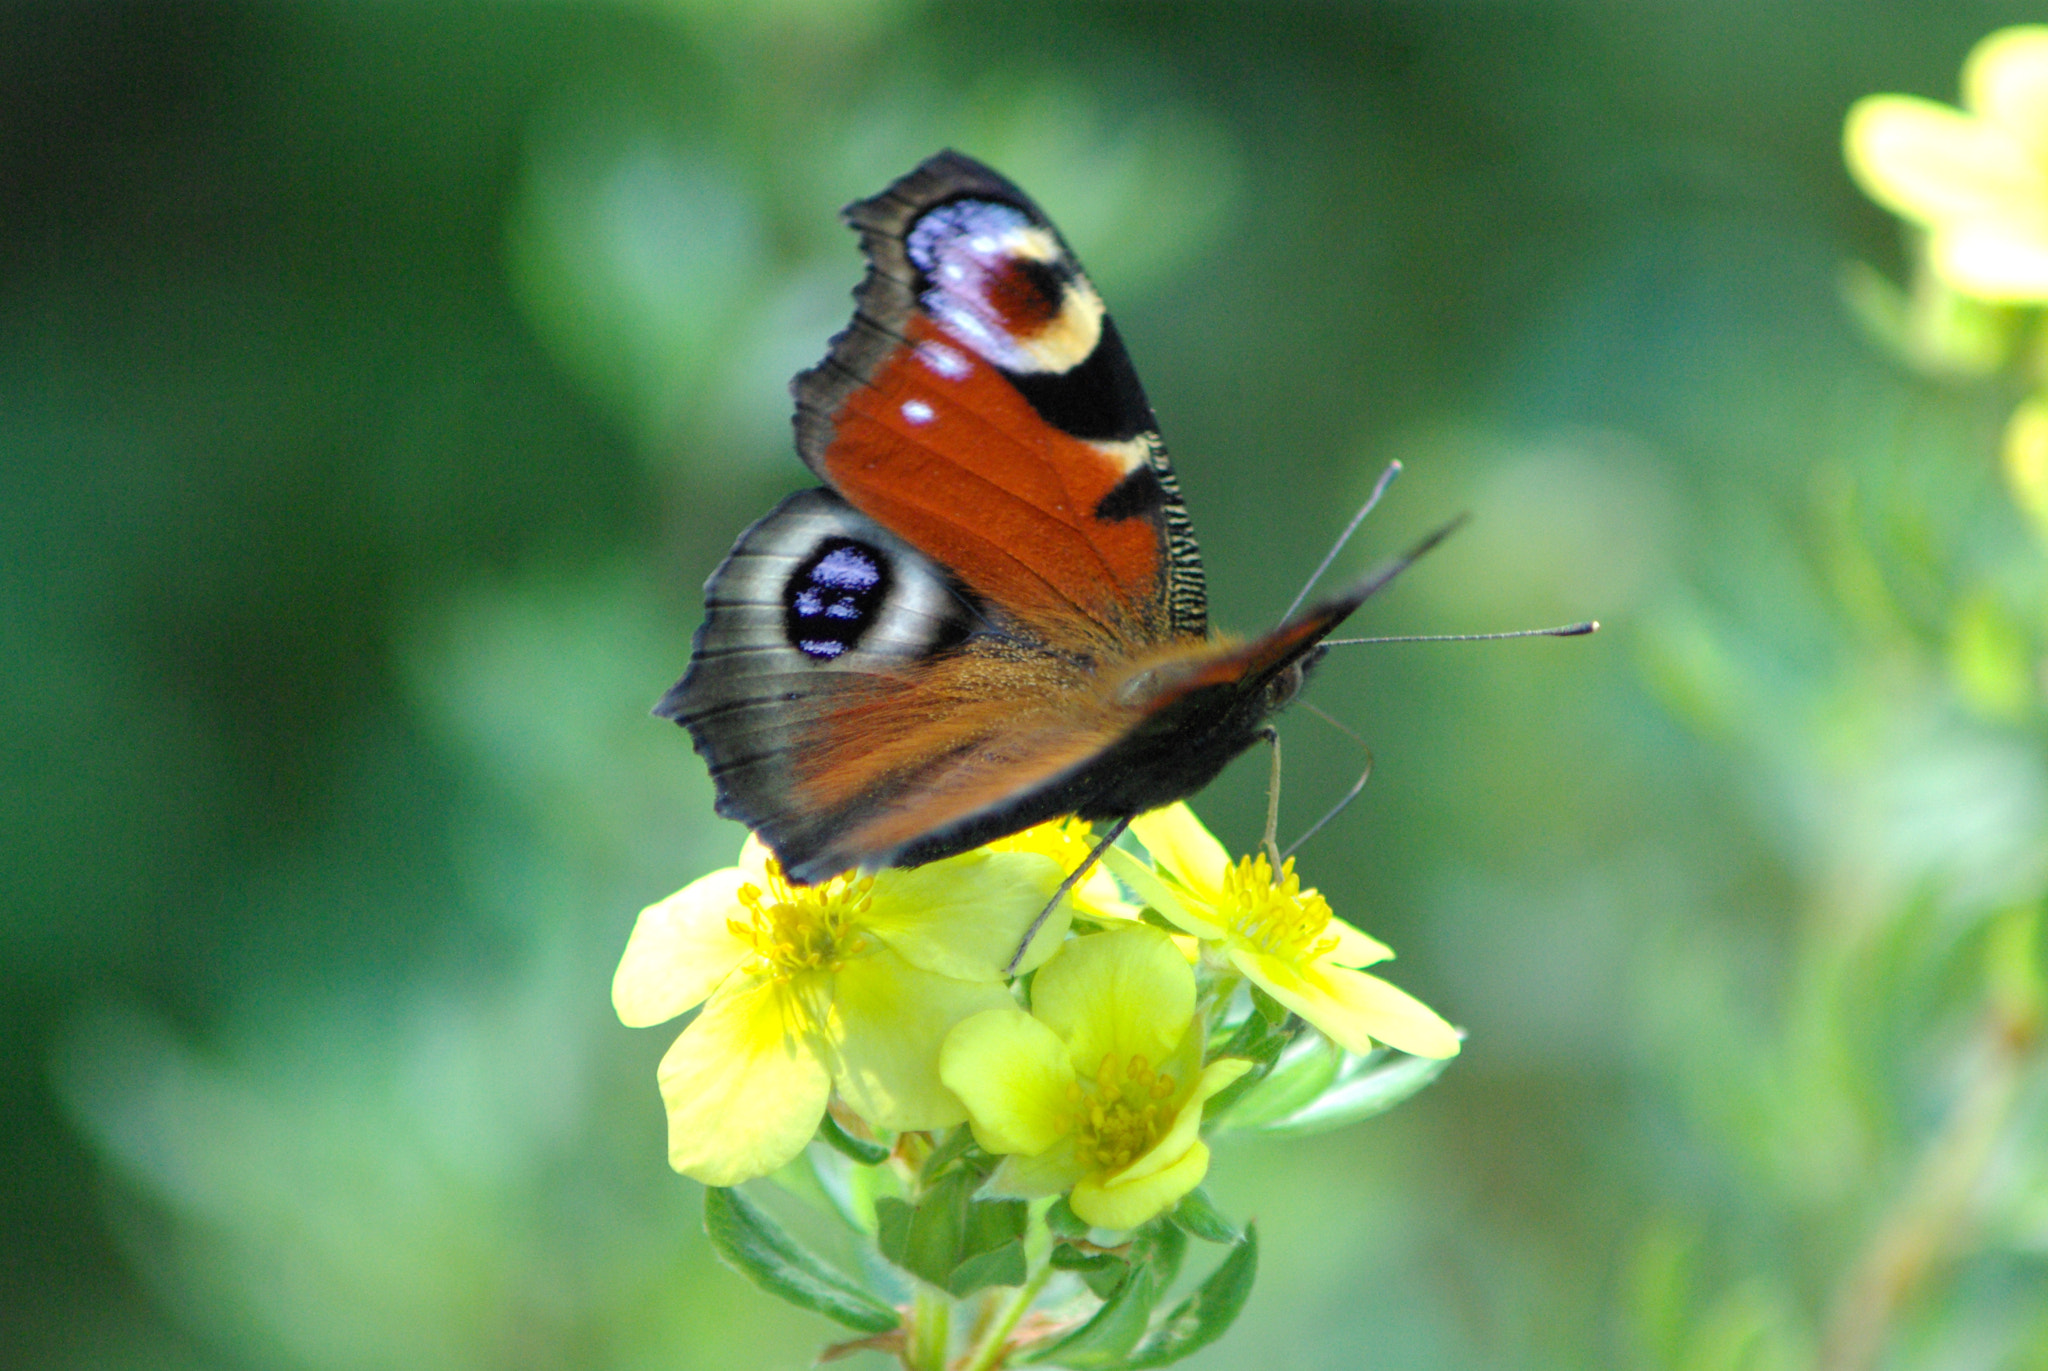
[831, 599]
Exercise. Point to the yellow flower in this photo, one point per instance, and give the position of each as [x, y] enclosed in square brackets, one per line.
[850, 985]
[1069, 841]
[2026, 461]
[1284, 938]
[1099, 1089]
[1975, 178]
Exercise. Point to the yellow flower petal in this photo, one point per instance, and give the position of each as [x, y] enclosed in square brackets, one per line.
[1116, 1202]
[2005, 79]
[883, 1033]
[964, 916]
[1128, 992]
[1354, 948]
[1068, 842]
[1351, 1008]
[1187, 851]
[743, 1093]
[680, 950]
[1935, 165]
[1155, 891]
[1994, 259]
[1013, 1074]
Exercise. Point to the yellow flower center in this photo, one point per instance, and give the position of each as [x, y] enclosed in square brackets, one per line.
[802, 928]
[1118, 1118]
[1277, 918]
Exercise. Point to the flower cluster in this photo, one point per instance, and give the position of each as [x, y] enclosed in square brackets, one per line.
[1017, 1119]
[1973, 183]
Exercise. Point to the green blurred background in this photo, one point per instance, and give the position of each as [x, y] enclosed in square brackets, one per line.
[378, 382]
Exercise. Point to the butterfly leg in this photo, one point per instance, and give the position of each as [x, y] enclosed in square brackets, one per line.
[1116, 830]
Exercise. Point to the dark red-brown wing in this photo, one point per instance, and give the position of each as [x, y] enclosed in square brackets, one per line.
[981, 407]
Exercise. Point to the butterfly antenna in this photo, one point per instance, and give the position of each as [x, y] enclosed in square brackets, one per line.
[1578, 630]
[1379, 488]
[1116, 830]
[1338, 808]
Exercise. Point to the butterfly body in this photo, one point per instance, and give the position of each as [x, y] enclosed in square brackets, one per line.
[995, 614]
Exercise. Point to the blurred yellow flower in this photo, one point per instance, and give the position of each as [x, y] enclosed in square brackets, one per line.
[1975, 178]
[850, 985]
[1069, 841]
[1099, 1089]
[2026, 461]
[1284, 938]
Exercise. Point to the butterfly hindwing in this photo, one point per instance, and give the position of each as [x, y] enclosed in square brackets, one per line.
[840, 674]
[981, 406]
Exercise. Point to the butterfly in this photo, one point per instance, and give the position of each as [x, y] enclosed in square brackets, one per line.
[993, 612]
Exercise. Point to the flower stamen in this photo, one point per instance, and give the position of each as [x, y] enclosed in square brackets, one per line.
[1121, 1119]
[801, 928]
[1277, 917]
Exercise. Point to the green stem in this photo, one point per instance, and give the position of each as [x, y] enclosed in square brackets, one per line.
[989, 1353]
[931, 1314]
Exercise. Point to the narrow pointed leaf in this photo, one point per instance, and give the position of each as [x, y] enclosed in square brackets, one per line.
[859, 1149]
[1114, 1331]
[1361, 1094]
[758, 1248]
[1200, 1218]
[1207, 1314]
[1103, 1341]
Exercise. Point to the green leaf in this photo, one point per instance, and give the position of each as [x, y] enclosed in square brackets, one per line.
[1199, 1217]
[1270, 1009]
[991, 1223]
[859, 1149]
[1118, 1326]
[950, 1150]
[952, 1240]
[1063, 1222]
[1207, 1314]
[1308, 1067]
[1160, 1249]
[1365, 1087]
[758, 1248]
[1255, 1038]
[892, 1227]
[1262, 1044]
[1104, 1272]
[992, 1247]
[999, 1266]
[938, 1227]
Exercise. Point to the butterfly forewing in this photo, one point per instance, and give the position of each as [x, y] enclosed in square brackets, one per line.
[981, 406]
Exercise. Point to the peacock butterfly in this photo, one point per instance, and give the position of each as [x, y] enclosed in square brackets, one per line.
[993, 614]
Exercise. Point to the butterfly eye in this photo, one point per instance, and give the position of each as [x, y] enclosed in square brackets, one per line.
[1285, 685]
